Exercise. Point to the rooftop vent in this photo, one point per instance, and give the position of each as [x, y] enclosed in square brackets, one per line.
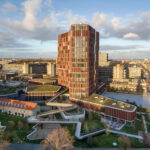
[113, 104]
[122, 106]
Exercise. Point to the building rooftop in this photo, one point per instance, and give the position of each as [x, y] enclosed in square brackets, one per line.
[109, 102]
[44, 88]
[42, 80]
[17, 103]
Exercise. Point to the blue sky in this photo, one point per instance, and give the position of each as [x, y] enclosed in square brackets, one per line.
[29, 28]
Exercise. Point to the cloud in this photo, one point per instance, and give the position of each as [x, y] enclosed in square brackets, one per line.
[74, 19]
[24, 54]
[130, 55]
[120, 26]
[31, 8]
[131, 36]
[8, 8]
[119, 47]
[99, 19]
[40, 21]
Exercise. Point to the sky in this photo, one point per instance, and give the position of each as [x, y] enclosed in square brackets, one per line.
[29, 28]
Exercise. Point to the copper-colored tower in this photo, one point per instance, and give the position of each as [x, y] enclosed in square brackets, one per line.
[77, 60]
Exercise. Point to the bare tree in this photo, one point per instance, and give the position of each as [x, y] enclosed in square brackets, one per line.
[20, 125]
[124, 142]
[59, 139]
[4, 145]
[11, 124]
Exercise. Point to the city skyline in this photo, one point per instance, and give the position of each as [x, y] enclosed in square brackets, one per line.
[29, 28]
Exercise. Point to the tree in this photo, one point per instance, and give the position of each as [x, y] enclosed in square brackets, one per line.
[3, 143]
[20, 125]
[86, 127]
[90, 141]
[95, 141]
[90, 115]
[11, 124]
[124, 142]
[59, 139]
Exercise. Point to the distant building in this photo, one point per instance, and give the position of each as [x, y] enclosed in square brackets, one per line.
[18, 108]
[129, 86]
[77, 60]
[119, 72]
[13, 67]
[40, 68]
[135, 72]
[51, 69]
[103, 60]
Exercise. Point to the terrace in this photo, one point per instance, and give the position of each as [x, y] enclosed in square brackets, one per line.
[43, 81]
[109, 102]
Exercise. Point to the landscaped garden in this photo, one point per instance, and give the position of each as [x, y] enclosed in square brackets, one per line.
[17, 128]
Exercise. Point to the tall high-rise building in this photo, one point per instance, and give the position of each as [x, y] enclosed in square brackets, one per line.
[77, 61]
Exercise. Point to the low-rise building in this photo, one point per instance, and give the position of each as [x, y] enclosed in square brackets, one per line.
[18, 108]
[135, 72]
[40, 68]
[107, 107]
[129, 86]
[41, 92]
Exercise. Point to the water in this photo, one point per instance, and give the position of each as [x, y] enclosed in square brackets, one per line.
[138, 99]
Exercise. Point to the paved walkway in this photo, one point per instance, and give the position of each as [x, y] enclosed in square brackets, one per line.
[78, 134]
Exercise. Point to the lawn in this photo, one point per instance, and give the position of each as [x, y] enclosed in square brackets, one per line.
[133, 129]
[43, 88]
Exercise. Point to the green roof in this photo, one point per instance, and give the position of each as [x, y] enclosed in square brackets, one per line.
[40, 88]
[98, 99]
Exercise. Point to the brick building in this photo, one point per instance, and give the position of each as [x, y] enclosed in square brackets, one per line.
[77, 60]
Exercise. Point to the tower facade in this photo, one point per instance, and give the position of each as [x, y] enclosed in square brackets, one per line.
[77, 60]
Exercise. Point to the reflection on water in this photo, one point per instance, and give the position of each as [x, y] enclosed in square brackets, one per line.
[138, 99]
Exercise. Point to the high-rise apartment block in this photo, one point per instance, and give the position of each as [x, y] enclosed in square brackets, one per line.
[119, 72]
[77, 60]
[103, 60]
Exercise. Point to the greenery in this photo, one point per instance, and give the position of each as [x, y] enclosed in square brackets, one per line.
[7, 90]
[43, 88]
[97, 99]
[17, 128]
[137, 126]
